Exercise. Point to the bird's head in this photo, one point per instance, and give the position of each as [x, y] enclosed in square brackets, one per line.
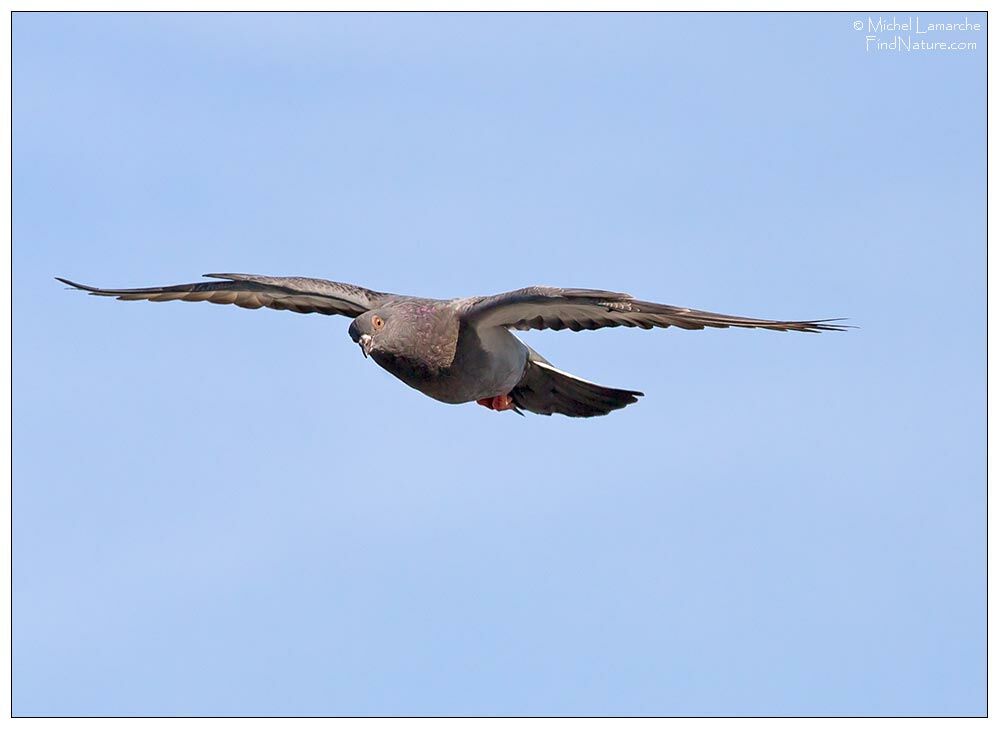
[368, 330]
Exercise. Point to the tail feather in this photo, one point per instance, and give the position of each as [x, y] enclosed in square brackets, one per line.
[546, 390]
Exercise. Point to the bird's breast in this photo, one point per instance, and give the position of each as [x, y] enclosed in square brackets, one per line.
[483, 365]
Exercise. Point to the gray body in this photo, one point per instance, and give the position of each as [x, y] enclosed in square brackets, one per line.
[483, 363]
[462, 350]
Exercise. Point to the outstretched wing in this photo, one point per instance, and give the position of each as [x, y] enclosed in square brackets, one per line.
[302, 295]
[541, 307]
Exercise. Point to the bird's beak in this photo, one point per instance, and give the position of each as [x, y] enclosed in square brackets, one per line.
[364, 342]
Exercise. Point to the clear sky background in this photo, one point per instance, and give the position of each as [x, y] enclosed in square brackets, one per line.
[220, 511]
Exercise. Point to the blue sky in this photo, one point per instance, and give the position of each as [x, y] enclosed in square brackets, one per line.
[219, 511]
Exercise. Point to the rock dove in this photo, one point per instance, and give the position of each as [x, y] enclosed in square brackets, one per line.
[462, 350]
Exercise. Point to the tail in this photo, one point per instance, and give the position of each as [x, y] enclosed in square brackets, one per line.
[545, 390]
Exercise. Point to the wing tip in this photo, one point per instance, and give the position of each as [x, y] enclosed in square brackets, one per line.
[75, 285]
[824, 325]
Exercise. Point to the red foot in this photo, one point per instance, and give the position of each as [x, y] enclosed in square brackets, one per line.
[500, 402]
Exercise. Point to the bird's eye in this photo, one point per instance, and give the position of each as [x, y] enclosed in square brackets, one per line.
[377, 323]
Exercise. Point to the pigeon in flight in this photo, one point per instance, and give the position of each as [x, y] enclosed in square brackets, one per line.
[462, 350]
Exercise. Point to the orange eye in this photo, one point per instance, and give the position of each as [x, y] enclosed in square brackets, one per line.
[377, 323]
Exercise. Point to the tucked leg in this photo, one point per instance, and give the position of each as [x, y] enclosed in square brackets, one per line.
[500, 402]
